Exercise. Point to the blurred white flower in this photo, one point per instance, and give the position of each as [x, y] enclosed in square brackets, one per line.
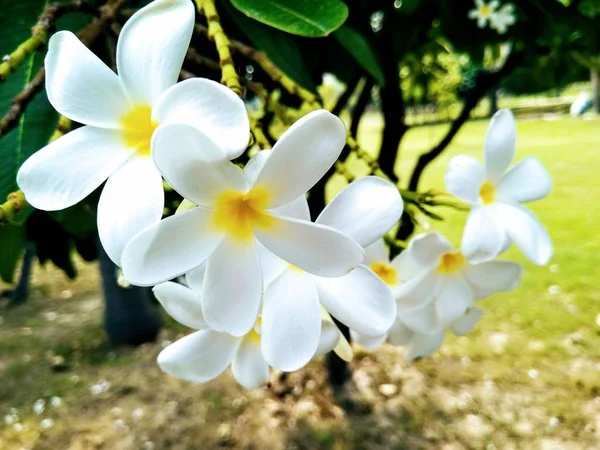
[46, 424]
[39, 406]
[483, 12]
[495, 195]
[503, 18]
[100, 387]
[239, 214]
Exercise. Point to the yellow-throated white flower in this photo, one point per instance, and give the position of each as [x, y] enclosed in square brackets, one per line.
[495, 195]
[447, 285]
[236, 209]
[205, 354]
[120, 114]
[483, 12]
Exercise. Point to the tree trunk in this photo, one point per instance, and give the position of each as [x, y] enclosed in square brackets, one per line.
[595, 75]
[493, 97]
[130, 317]
[20, 293]
[338, 371]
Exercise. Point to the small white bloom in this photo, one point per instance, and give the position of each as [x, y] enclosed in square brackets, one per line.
[18, 427]
[448, 285]
[100, 387]
[483, 12]
[39, 406]
[120, 114]
[503, 18]
[205, 354]
[239, 214]
[9, 419]
[495, 195]
[46, 424]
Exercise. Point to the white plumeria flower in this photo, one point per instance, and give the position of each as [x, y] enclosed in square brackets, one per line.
[292, 306]
[421, 345]
[503, 18]
[205, 354]
[495, 195]
[236, 210]
[121, 113]
[483, 12]
[448, 284]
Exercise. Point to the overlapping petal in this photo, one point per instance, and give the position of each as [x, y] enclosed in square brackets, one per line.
[291, 321]
[210, 107]
[193, 164]
[466, 323]
[330, 336]
[499, 144]
[69, 169]
[417, 291]
[464, 177]
[131, 201]
[525, 182]
[301, 156]
[452, 300]
[249, 367]
[170, 248]
[360, 300]
[151, 49]
[183, 304]
[80, 86]
[317, 249]
[200, 356]
[483, 237]
[423, 345]
[365, 210]
[233, 287]
[427, 248]
[494, 276]
[376, 252]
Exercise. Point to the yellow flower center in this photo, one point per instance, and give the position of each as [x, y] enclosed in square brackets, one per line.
[254, 333]
[485, 10]
[386, 273]
[487, 193]
[138, 127]
[237, 213]
[451, 262]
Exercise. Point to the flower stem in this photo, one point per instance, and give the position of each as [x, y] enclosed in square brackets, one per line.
[229, 76]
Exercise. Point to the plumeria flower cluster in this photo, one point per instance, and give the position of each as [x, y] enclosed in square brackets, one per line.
[498, 17]
[262, 282]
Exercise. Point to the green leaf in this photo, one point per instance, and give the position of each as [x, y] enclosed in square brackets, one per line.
[279, 47]
[358, 46]
[309, 18]
[12, 243]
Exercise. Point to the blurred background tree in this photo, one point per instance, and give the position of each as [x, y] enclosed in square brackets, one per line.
[414, 61]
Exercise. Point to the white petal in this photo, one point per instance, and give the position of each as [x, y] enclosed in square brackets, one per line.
[272, 265]
[464, 177]
[494, 276]
[330, 337]
[360, 300]
[525, 230]
[525, 182]
[249, 367]
[365, 210]
[453, 298]
[417, 291]
[406, 267]
[377, 252]
[211, 108]
[182, 304]
[296, 209]
[499, 144]
[301, 156]
[400, 334]
[131, 201]
[233, 287]
[466, 323]
[200, 356]
[318, 249]
[368, 342]
[423, 345]
[255, 165]
[427, 248]
[69, 169]
[422, 320]
[483, 237]
[170, 248]
[151, 48]
[291, 321]
[80, 86]
[195, 278]
[193, 165]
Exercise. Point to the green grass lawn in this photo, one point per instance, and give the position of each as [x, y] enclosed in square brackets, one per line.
[527, 378]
